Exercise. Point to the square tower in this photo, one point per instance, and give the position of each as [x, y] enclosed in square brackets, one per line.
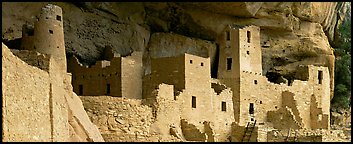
[239, 51]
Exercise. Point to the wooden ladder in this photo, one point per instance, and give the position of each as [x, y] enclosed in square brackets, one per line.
[248, 131]
[289, 139]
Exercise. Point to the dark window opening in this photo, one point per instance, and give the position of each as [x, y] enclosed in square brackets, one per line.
[46, 17]
[214, 65]
[108, 88]
[58, 17]
[251, 108]
[247, 52]
[229, 63]
[191, 61]
[260, 102]
[51, 31]
[255, 81]
[228, 35]
[248, 35]
[320, 76]
[34, 47]
[30, 32]
[224, 106]
[201, 64]
[80, 89]
[57, 47]
[290, 82]
[193, 102]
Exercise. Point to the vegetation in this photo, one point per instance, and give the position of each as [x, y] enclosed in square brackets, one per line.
[342, 91]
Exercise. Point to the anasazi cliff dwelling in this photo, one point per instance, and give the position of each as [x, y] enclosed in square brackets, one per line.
[180, 100]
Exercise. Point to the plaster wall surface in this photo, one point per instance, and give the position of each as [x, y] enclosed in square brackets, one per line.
[131, 76]
[25, 110]
[162, 71]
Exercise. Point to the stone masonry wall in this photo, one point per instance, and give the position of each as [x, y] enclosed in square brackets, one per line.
[33, 58]
[162, 72]
[121, 119]
[131, 76]
[266, 96]
[25, 100]
[94, 79]
[49, 110]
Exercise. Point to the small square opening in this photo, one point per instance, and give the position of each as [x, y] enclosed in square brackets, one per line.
[58, 17]
[247, 52]
[201, 64]
[51, 31]
[191, 61]
[255, 81]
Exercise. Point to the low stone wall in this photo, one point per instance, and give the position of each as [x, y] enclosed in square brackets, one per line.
[306, 135]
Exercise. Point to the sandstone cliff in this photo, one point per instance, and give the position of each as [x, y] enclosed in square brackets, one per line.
[292, 33]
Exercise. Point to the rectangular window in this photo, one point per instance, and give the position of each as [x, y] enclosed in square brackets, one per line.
[80, 89]
[228, 35]
[51, 31]
[224, 106]
[319, 76]
[255, 81]
[108, 88]
[191, 61]
[229, 63]
[58, 17]
[201, 64]
[248, 35]
[251, 108]
[193, 102]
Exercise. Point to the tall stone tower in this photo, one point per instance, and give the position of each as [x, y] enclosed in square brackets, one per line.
[47, 36]
[239, 52]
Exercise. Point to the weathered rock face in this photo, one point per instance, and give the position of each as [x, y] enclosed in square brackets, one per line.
[292, 33]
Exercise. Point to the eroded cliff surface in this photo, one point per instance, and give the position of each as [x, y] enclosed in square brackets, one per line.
[292, 33]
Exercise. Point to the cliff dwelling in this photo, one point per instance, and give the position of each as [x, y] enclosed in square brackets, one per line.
[189, 89]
